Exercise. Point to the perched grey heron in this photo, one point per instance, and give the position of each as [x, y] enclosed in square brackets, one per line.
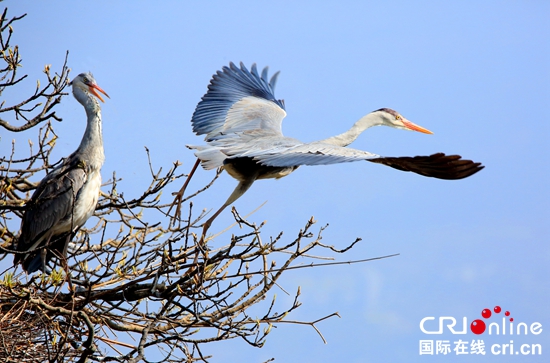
[67, 196]
[241, 119]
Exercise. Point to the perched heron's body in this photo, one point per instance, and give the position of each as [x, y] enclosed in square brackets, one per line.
[241, 120]
[67, 196]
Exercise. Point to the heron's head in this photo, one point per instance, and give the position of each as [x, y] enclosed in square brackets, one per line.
[87, 83]
[394, 119]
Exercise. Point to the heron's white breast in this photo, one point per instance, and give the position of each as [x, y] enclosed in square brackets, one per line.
[88, 196]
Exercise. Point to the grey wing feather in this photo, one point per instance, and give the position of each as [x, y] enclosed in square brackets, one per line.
[230, 86]
[271, 150]
[313, 154]
[51, 202]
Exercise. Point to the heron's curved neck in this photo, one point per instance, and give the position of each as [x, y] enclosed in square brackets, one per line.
[346, 138]
[91, 146]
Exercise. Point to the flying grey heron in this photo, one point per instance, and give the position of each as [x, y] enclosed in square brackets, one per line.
[241, 119]
[67, 196]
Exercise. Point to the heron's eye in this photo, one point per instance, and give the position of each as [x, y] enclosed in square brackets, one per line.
[398, 117]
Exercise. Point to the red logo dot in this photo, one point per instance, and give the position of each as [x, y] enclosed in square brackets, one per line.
[486, 313]
[507, 313]
[477, 326]
[497, 309]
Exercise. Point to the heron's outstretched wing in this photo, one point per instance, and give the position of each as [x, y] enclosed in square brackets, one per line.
[238, 100]
[50, 207]
[286, 152]
[441, 166]
[272, 150]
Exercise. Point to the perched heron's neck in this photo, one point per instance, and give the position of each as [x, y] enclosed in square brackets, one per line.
[91, 146]
[346, 138]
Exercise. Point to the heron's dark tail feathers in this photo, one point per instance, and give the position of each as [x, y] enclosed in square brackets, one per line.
[441, 166]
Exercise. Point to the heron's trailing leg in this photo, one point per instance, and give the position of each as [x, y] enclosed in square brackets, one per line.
[239, 190]
[179, 195]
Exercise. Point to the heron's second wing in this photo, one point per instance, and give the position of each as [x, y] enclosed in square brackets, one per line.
[286, 152]
[238, 100]
[441, 166]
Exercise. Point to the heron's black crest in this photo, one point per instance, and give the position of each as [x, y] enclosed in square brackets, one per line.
[388, 110]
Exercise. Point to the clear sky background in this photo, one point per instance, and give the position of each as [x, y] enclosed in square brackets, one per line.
[476, 73]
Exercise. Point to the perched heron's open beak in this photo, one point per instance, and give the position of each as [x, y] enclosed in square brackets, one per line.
[94, 88]
[415, 127]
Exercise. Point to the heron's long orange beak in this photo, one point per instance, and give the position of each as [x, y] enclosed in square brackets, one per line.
[415, 127]
[95, 87]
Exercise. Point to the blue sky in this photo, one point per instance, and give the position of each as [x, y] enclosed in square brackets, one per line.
[476, 73]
